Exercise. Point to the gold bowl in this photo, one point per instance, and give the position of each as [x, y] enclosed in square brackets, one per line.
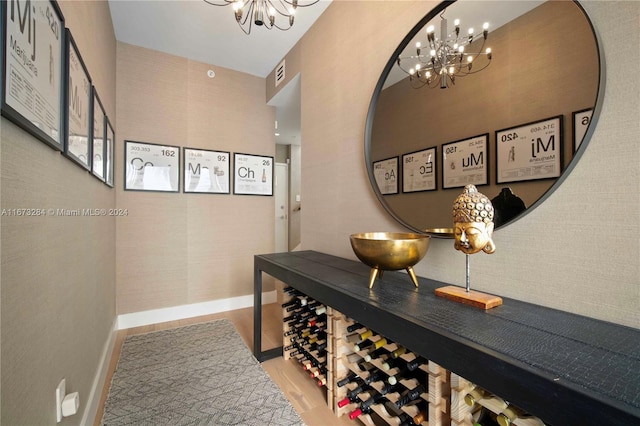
[390, 251]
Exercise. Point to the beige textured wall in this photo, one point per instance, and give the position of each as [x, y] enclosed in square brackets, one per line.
[577, 252]
[58, 273]
[175, 248]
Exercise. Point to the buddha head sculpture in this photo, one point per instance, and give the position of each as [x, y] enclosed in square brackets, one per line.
[473, 222]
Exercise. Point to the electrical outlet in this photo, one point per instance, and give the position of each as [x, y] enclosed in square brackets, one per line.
[61, 391]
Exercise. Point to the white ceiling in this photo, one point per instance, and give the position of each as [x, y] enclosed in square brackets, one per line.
[196, 30]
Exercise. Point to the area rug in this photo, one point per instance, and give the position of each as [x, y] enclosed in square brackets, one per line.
[202, 374]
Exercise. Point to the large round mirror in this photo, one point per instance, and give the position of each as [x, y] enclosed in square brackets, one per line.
[512, 120]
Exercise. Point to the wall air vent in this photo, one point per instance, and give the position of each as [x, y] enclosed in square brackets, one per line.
[280, 73]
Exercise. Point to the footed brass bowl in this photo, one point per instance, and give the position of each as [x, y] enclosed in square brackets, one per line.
[390, 251]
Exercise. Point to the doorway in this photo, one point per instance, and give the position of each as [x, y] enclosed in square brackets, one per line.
[282, 207]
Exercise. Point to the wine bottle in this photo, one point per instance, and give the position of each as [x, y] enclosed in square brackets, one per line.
[352, 395]
[400, 350]
[348, 379]
[370, 344]
[406, 420]
[365, 406]
[358, 337]
[319, 346]
[390, 363]
[319, 319]
[313, 304]
[409, 395]
[289, 347]
[292, 291]
[375, 376]
[404, 366]
[380, 396]
[317, 371]
[297, 304]
[348, 400]
[365, 366]
[374, 398]
[485, 417]
[510, 414]
[405, 373]
[320, 310]
[359, 411]
[381, 354]
[422, 416]
[355, 326]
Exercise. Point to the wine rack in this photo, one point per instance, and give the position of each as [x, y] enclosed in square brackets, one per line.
[378, 382]
[307, 336]
[468, 399]
[410, 390]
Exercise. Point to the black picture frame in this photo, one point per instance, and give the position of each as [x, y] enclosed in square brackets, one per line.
[424, 162]
[581, 120]
[78, 105]
[109, 150]
[387, 175]
[206, 171]
[518, 155]
[466, 161]
[245, 180]
[31, 97]
[151, 167]
[98, 135]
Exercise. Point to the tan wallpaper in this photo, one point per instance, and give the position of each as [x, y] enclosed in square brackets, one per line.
[175, 248]
[57, 272]
[578, 251]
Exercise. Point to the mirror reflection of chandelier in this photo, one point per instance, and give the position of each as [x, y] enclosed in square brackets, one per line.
[263, 12]
[440, 61]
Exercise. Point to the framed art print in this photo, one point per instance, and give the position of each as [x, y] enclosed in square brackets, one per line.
[109, 144]
[206, 171]
[529, 151]
[33, 68]
[419, 170]
[581, 121]
[252, 174]
[78, 103]
[151, 167]
[386, 175]
[98, 131]
[466, 162]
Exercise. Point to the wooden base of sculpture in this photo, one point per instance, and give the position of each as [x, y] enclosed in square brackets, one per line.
[472, 298]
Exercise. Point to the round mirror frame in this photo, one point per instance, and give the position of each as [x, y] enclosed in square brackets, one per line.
[444, 233]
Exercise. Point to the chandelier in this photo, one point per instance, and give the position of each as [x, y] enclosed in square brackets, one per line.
[263, 12]
[440, 61]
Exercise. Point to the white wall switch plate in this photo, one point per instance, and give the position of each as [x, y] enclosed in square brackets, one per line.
[61, 390]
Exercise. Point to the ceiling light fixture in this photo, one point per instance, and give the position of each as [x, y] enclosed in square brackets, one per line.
[262, 12]
[446, 57]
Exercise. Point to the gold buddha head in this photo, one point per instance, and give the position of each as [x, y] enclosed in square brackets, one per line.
[473, 222]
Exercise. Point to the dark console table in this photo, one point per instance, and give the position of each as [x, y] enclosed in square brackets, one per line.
[564, 368]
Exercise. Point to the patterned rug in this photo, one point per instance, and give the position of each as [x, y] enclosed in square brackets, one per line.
[202, 374]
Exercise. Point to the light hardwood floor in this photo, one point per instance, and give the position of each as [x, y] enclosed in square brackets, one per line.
[306, 397]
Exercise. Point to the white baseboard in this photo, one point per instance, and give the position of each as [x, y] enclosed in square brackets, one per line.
[155, 316]
[93, 400]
